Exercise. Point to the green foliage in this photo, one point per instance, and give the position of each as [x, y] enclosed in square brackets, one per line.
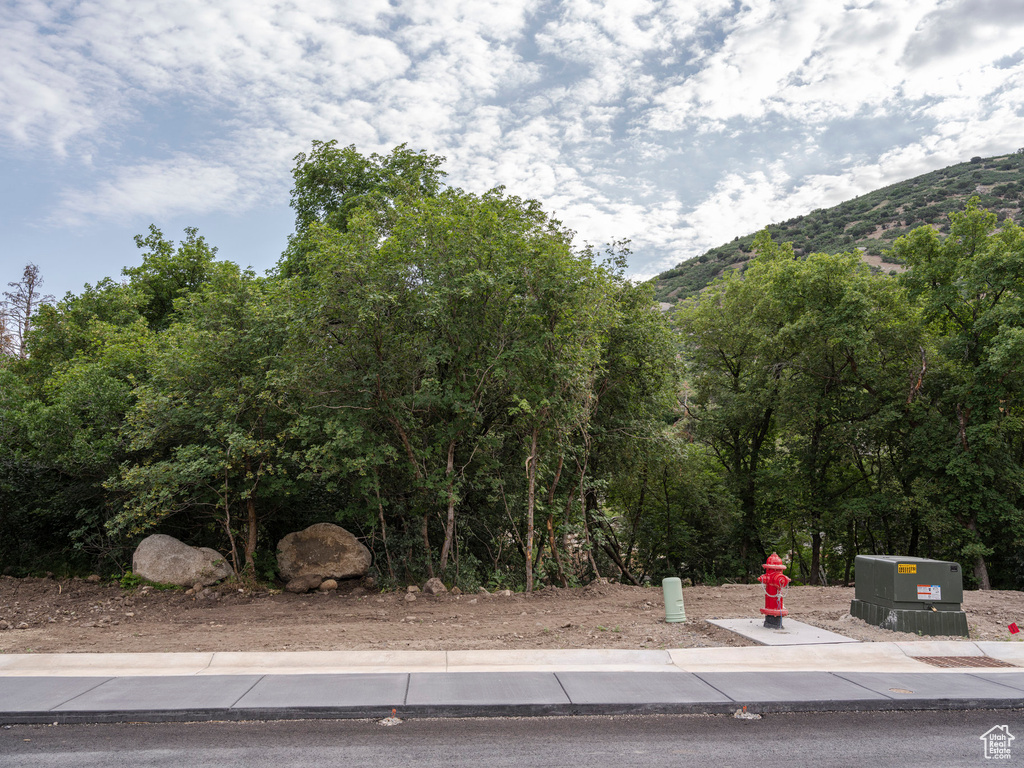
[473, 395]
[167, 274]
[208, 430]
[333, 185]
[970, 286]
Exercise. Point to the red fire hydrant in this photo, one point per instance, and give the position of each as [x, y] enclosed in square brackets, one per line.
[774, 582]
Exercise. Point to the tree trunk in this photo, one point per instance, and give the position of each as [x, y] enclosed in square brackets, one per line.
[981, 573]
[551, 518]
[250, 536]
[980, 568]
[426, 546]
[227, 528]
[250, 522]
[815, 557]
[449, 529]
[383, 527]
[530, 502]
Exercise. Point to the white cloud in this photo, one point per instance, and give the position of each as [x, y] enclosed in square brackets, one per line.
[679, 123]
[177, 185]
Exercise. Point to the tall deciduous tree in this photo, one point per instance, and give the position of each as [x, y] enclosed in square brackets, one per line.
[473, 322]
[849, 342]
[209, 428]
[971, 289]
[734, 363]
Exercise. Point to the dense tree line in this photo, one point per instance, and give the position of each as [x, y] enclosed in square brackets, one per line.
[853, 413]
[480, 398]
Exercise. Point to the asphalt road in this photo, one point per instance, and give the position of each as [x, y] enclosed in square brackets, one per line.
[821, 740]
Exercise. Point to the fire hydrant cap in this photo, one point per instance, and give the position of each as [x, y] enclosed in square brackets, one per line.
[774, 563]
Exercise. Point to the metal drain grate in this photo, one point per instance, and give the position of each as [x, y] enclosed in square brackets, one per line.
[949, 662]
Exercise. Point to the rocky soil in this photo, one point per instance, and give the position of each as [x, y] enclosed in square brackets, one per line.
[50, 616]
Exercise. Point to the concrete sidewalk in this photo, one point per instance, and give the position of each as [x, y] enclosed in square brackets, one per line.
[50, 688]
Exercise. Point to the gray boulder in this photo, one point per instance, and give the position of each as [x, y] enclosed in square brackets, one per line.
[165, 560]
[325, 550]
[434, 587]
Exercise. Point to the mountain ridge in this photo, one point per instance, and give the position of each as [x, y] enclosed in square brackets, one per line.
[869, 223]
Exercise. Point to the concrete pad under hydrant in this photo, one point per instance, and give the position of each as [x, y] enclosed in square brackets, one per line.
[792, 632]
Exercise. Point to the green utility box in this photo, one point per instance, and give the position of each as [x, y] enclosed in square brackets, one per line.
[910, 594]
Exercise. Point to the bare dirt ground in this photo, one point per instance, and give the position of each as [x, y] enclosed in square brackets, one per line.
[51, 616]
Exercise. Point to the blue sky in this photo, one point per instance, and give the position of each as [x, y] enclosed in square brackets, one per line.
[678, 124]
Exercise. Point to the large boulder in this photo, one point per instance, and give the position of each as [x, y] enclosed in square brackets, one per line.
[325, 550]
[166, 560]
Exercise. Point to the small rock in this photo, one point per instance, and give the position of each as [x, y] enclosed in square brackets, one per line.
[369, 582]
[94, 579]
[505, 593]
[412, 588]
[5, 625]
[358, 592]
[410, 598]
[456, 591]
[435, 587]
[649, 639]
[302, 584]
[190, 591]
[473, 601]
[197, 587]
[482, 591]
[23, 625]
[328, 585]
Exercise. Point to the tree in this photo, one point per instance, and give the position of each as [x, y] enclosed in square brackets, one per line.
[797, 363]
[472, 324]
[8, 341]
[167, 273]
[970, 287]
[849, 341]
[332, 184]
[65, 406]
[633, 394]
[209, 429]
[17, 310]
[734, 363]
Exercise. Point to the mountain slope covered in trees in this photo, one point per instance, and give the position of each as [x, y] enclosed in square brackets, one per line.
[869, 223]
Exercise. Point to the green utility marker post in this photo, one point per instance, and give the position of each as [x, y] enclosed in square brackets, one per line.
[673, 590]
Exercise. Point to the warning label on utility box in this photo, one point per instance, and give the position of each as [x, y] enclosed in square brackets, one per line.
[906, 568]
[929, 592]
